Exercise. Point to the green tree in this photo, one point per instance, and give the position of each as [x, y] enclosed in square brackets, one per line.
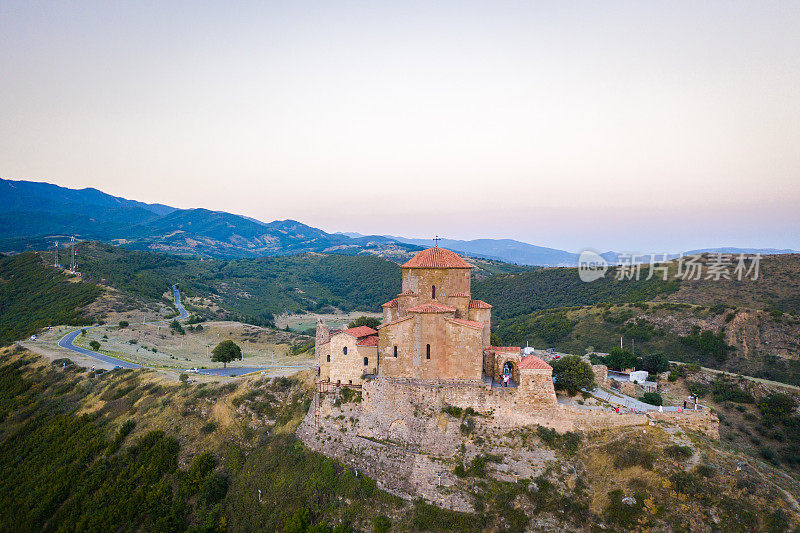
[655, 363]
[369, 321]
[572, 374]
[176, 326]
[225, 352]
[94, 345]
[653, 398]
[495, 340]
[123, 324]
[619, 359]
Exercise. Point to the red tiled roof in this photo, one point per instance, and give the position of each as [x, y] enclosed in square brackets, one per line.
[479, 304]
[436, 258]
[432, 307]
[469, 323]
[534, 363]
[461, 295]
[372, 340]
[360, 331]
[515, 349]
[390, 303]
[408, 293]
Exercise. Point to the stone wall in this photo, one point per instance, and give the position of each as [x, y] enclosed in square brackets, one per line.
[703, 421]
[601, 376]
[348, 368]
[455, 349]
[446, 280]
[399, 435]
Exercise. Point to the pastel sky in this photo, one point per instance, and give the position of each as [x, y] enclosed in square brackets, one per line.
[616, 125]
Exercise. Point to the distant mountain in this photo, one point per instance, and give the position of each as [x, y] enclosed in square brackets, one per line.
[30, 212]
[507, 250]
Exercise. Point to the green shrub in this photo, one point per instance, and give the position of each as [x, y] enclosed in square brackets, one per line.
[677, 451]
[777, 407]
[452, 410]
[653, 398]
[208, 427]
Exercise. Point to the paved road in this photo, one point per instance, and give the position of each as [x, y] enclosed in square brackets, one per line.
[178, 304]
[67, 341]
[626, 401]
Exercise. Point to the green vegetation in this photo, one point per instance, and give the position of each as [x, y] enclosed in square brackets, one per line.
[621, 359]
[568, 442]
[369, 321]
[572, 374]
[94, 345]
[707, 343]
[250, 290]
[515, 295]
[653, 398]
[225, 352]
[655, 363]
[34, 295]
[60, 471]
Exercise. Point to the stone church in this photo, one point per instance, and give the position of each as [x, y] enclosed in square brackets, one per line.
[432, 332]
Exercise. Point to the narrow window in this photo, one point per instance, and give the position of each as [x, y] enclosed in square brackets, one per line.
[344, 350]
[366, 361]
[395, 351]
[433, 291]
[329, 358]
[427, 351]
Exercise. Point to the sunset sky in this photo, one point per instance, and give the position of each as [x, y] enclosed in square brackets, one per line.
[658, 126]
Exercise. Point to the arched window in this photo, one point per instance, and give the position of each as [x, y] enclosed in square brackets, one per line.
[433, 291]
[344, 350]
[366, 361]
[427, 351]
[329, 358]
[395, 351]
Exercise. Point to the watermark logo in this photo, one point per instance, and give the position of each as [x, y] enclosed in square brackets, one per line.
[716, 266]
[591, 266]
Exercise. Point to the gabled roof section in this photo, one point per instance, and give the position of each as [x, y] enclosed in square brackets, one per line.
[479, 304]
[468, 323]
[372, 340]
[390, 303]
[393, 322]
[531, 362]
[408, 293]
[432, 307]
[436, 258]
[360, 331]
[505, 349]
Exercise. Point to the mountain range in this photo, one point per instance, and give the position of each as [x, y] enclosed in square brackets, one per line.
[34, 214]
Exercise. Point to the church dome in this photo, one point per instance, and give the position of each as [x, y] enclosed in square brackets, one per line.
[436, 258]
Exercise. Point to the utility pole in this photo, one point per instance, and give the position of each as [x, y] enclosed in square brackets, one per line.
[620, 342]
[72, 263]
[56, 263]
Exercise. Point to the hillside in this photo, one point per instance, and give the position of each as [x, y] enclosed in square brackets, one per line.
[34, 295]
[517, 294]
[144, 453]
[744, 326]
[250, 290]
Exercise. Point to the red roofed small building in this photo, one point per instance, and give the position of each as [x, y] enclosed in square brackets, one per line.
[344, 356]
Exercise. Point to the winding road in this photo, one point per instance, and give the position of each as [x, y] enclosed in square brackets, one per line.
[68, 340]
